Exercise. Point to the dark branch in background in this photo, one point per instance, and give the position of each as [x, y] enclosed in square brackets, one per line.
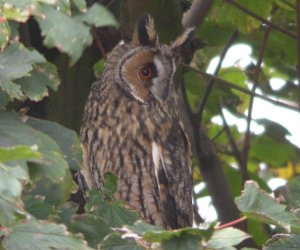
[24, 34]
[232, 143]
[210, 166]
[263, 20]
[257, 68]
[220, 81]
[298, 46]
[98, 43]
[211, 82]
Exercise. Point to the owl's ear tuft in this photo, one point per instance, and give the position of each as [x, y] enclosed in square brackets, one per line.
[145, 33]
[186, 45]
[183, 39]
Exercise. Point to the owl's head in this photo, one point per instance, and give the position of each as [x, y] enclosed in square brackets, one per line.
[145, 68]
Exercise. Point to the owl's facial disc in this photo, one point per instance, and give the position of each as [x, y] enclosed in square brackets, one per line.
[146, 73]
[161, 83]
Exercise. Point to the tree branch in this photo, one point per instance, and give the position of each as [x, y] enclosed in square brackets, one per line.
[222, 82]
[263, 20]
[232, 143]
[98, 43]
[210, 166]
[246, 143]
[196, 13]
[231, 40]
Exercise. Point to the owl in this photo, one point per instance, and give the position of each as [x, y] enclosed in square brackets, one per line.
[131, 128]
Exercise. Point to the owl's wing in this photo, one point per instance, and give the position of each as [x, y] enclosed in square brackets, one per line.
[173, 176]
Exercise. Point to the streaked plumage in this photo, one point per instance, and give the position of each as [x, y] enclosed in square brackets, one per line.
[131, 128]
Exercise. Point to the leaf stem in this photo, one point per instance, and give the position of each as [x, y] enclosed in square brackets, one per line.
[98, 43]
[231, 223]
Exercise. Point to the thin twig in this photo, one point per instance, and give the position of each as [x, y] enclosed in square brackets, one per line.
[263, 20]
[222, 82]
[217, 135]
[98, 43]
[234, 148]
[231, 40]
[231, 223]
[257, 69]
[298, 47]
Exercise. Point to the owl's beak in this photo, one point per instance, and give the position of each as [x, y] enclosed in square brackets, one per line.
[160, 91]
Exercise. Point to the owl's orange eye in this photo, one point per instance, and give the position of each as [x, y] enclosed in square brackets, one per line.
[146, 72]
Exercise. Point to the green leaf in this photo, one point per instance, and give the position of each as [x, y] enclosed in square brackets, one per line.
[291, 192]
[115, 242]
[12, 12]
[92, 227]
[9, 212]
[80, 4]
[37, 206]
[111, 211]
[42, 235]
[283, 242]
[12, 176]
[66, 139]
[63, 32]
[185, 233]
[185, 242]
[35, 84]
[227, 237]
[110, 184]
[16, 61]
[185, 238]
[267, 149]
[4, 34]
[258, 205]
[53, 192]
[98, 16]
[14, 132]
[274, 130]
[258, 231]
[210, 28]
[234, 75]
[98, 68]
[54, 166]
[13, 90]
[245, 23]
[19, 153]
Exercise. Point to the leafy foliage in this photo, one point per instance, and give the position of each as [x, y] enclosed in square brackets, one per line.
[39, 156]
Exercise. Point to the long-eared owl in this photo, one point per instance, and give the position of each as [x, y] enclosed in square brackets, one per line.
[131, 128]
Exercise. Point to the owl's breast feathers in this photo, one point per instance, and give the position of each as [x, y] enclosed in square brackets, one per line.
[145, 147]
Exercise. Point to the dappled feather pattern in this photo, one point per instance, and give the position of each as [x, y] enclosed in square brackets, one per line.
[131, 128]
